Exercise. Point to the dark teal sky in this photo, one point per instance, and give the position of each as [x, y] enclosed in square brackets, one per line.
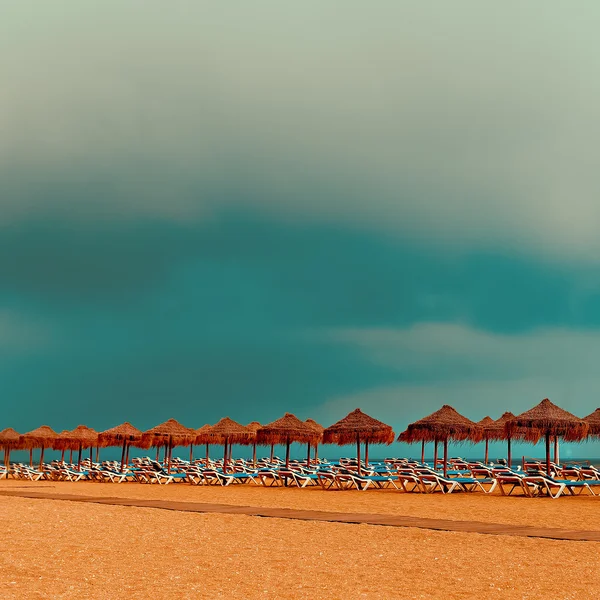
[216, 210]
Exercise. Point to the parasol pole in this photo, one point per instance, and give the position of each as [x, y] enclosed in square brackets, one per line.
[207, 455]
[509, 452]
[435, 453]
[254, 454]
[287, 453]
[157, 452]
[97, 453]
[422, 452]
[556, 450]
[272, 451]
[308, 456]
[191, 453]
[486, 451]
[42, 458]
[367, 454]
[79, 458]
[170, 450]
[127, 454]
[445, 457]
[62, 456]
[358, 452]
[31, 457]
[70, 456]
[123, 456]
[548, 454]
[225, 455]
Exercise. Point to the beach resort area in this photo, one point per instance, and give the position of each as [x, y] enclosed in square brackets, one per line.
[271, 527]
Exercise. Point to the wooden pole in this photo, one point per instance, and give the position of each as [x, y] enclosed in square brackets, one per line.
[42, 459]
[127, 446]
[556, 451]
[70, 456]
[423, 452]
[207, 455]
[367, 454]
[191, 453]
[548, 454]
[308, 456]
[486, 451]
[287, 453]
[31, 457]
[435, 453]
[62, 456]
[509, 453]
[272, 451]
[157, 453]
[445, 457]
[170, 449]
[358, 453]
[316, 452]
[225, 455]
[79, 458]
[254, 455]
[91, 454]
[97, 453]
[123, 457]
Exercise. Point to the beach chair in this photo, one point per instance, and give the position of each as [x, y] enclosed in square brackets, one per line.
[432, 482]
[409, 481]
[506, 479]
[269, 477]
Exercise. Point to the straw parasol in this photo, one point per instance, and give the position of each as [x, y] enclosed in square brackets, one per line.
[319, 429]
[496, 430]
[547, 420]
[228, 432]
[286, 430]
[170, 433]
[444, 425]
[254, 426]
[358, 427]
[486, 422]
[123, 434]
[9, 440]
[593, 420]
[82, 437]
[42, 438]
[63, 442]
[203, 437]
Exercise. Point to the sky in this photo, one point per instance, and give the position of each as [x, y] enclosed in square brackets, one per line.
[213, 210]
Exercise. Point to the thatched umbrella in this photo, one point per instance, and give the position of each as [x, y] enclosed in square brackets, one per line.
[254, 427]
[124, 435]
[593, 420]
[287, 430]
[319, 429]
[9, 440]
[63, 442]
[496, 430]
[358, 427]
[229, 432]
[82, 437]
[203, 437]
[546, 420]
[444, 425]
[486, 422]
[170, 433]
[42, 438]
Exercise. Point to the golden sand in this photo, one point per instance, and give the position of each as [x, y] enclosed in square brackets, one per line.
[58, 549]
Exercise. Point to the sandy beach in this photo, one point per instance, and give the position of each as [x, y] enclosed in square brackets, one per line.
[65, 549]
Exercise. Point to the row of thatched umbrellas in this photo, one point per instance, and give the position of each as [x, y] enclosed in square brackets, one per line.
[546, 420]
[355, 427]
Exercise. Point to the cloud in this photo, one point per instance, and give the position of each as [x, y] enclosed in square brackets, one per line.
[477, 371]
[414, 120]
[21, 335]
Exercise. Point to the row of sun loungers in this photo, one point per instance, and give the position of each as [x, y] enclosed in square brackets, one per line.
[401, 475]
